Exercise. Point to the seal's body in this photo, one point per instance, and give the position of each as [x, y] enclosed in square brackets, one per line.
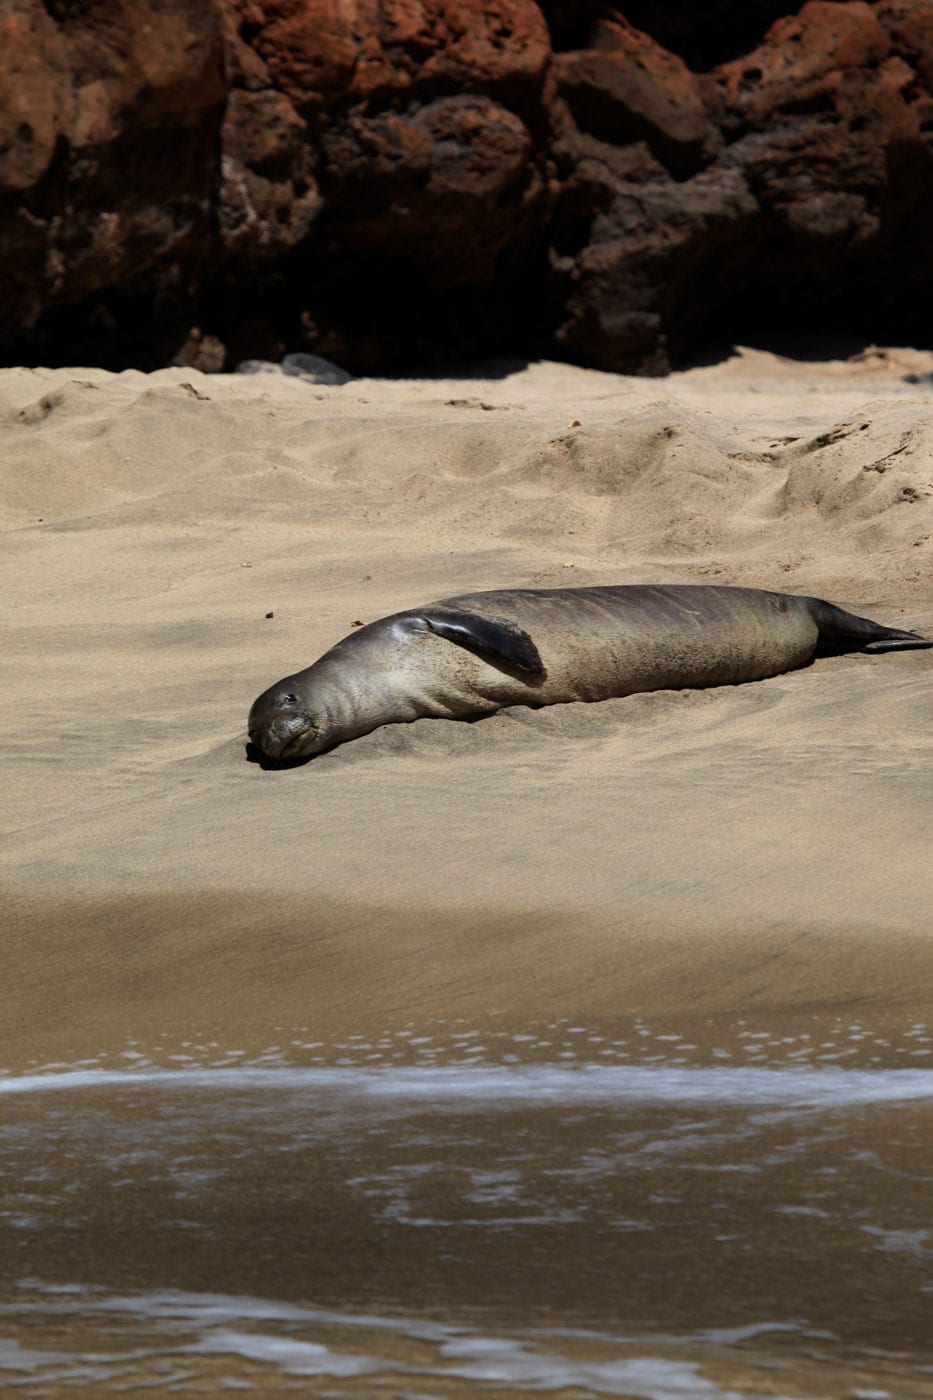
[476, 653]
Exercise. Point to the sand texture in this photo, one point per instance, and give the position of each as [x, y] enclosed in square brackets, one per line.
[765, 846]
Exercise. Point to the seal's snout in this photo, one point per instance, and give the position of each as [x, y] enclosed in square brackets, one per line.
[280, 724]
[282, 735]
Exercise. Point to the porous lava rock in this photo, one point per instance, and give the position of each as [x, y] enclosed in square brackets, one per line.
[109, 115]
[382, 181]
[807, 205]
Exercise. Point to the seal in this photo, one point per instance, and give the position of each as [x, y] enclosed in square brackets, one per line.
[478, 652]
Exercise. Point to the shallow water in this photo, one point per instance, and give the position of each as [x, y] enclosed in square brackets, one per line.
[453, 1211]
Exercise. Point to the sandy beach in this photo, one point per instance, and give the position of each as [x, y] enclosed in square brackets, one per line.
[681, 852]
[700, 887]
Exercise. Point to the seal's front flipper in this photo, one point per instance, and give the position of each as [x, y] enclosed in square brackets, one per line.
[501, 641]
[846, 632]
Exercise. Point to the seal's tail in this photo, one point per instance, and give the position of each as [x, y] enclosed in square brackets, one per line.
[846, 632]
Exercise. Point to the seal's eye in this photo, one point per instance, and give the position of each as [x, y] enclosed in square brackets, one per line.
[289, 699]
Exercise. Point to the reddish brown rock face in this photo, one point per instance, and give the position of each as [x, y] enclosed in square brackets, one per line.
[458, 172]
[346, 52]
[268, 197]
[108, 119]
[386, 179]
[807, 207]
[624, 88]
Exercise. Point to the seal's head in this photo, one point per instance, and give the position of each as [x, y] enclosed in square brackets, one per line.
[283, 726]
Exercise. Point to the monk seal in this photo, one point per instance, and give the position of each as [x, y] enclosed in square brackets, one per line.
[478, 652]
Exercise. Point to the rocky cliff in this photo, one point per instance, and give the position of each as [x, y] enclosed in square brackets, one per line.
[386, 181]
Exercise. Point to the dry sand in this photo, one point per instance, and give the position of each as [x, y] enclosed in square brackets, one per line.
[763, 848]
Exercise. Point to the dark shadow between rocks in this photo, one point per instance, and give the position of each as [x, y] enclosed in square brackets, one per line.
[496, 367]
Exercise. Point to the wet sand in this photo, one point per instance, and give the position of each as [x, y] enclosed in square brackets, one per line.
[743, 861]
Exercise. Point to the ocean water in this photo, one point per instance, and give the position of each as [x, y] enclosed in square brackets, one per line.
[448, 1210]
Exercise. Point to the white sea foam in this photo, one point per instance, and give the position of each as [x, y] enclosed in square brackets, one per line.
[491, 1085]
[240, 1328]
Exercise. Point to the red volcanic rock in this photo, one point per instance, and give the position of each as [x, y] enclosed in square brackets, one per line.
[449, 185]
[910, 26]
[107, 119]
[443, 178]
[837, 101]
[802, 60]
[268, 197]
[344, 52]
[815, 210]
[625, 88]
[378, 178]
[35, 80]
[858, 63]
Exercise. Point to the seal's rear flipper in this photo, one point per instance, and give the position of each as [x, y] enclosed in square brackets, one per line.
[502, 641]
[906, 639]
[845, 632]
